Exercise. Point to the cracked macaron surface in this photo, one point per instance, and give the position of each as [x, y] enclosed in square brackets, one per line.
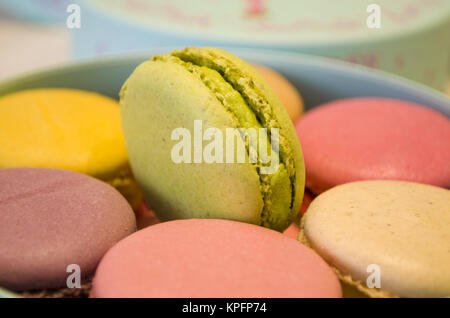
[211, 85]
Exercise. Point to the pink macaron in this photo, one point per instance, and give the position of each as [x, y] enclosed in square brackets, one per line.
[374, 138]
[212, 258]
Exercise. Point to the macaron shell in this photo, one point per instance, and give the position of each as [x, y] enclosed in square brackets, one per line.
[276, 187]
[279, 112]
[62, 128]
[374, 138]
[284, 120]
[52, 218]
[150, 114]
[212, 258]
[286, 92]
[402, 227]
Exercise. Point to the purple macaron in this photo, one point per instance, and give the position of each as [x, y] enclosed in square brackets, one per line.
[52, 221]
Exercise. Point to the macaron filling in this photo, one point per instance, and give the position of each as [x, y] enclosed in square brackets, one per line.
[277, 189]
[246, 87]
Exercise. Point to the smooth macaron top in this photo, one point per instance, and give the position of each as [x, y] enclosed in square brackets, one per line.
[212, 258]
[51, 218]
[374, 138]
[207, 84]
[400, 227]
[62, 128]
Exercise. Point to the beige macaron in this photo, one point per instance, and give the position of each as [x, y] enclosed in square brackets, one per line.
[447, 88]
[384, 238]
[286, 92]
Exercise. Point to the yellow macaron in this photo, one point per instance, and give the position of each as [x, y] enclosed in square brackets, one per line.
[67, 129]
[286, 92]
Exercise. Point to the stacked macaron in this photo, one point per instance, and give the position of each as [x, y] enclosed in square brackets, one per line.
[53, 219]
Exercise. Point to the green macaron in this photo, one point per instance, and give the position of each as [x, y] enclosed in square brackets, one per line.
[178, 111]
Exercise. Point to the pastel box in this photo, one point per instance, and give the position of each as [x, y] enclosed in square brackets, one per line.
[411, 38]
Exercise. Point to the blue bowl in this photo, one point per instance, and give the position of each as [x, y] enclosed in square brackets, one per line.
[319, 79]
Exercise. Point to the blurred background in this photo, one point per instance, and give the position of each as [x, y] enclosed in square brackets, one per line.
[410, 38]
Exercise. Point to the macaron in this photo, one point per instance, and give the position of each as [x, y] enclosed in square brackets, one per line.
[286, 92]
[208, 258]
[51, 219]
[374, 138]
[194, 98]
[385, 238]
[66, 129]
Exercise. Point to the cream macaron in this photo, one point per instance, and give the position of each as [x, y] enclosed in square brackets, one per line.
[385, 238]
